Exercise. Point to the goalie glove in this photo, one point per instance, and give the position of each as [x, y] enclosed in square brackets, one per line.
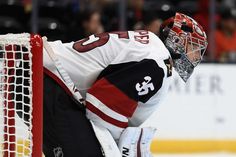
[135, 142]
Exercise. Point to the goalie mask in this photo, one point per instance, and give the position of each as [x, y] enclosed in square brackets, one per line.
[186, 41]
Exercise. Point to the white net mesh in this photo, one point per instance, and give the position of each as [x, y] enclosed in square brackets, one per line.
[15, 95]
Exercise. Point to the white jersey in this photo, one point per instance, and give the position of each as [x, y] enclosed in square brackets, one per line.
[123, 76]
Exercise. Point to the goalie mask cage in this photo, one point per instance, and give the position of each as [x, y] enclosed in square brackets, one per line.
[21, 83]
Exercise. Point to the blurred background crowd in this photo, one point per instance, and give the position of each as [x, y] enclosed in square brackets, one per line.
[71, 20]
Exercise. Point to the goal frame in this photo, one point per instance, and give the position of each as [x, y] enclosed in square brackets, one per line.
[36, 49]
[37, 67]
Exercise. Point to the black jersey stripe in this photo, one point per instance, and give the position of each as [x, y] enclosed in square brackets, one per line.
[128, 77]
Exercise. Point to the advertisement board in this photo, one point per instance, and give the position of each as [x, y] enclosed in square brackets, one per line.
[201, 112]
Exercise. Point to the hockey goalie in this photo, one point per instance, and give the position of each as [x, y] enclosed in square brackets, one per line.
[99, 90]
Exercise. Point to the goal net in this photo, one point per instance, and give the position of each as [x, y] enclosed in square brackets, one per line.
[20, 95]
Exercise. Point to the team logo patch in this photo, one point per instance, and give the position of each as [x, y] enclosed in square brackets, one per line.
[169, 65]
[145, 86]
[58, 152]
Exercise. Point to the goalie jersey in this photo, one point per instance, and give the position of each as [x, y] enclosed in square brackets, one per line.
[123, 76]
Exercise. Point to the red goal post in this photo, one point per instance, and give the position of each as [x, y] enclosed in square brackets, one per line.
[21, 97]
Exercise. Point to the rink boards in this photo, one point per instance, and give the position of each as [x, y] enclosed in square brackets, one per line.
[199, 116]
